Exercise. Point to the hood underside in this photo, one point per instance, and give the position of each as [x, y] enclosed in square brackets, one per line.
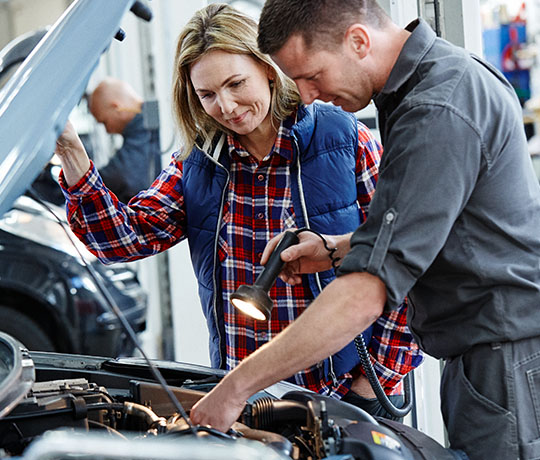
[37, 100]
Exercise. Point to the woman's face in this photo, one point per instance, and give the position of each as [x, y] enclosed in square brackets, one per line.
[233, 89]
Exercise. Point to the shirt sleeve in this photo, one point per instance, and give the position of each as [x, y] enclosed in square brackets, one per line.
[153, 221]
[367, 168]
[393, 350]
[431, 162]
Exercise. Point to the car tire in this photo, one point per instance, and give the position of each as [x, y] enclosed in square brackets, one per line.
[25, 330]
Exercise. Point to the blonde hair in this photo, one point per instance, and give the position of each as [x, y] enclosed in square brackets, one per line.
[219, 27]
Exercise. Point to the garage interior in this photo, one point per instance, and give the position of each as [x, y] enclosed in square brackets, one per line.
[175, 327]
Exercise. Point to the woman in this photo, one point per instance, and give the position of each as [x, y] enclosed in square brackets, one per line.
[255, 162]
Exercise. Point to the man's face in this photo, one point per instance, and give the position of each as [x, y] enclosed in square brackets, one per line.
[333, 75]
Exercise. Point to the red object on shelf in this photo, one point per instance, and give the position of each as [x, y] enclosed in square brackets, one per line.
[521, 16]
[508, 58]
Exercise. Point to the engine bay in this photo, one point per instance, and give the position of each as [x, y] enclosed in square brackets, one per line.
[297, 426]
[120, 400]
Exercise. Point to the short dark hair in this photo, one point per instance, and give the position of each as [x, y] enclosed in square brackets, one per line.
[318, 21]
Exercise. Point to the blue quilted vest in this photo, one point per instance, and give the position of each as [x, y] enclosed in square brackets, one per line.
[323, 182]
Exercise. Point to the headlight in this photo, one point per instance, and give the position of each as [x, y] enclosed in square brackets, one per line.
[40, 229]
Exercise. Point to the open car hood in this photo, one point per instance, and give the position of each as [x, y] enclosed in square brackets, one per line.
[36, 102]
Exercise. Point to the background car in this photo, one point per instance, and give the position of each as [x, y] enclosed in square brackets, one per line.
[48, 300]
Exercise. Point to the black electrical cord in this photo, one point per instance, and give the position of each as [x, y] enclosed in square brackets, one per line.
[376, 385]
[437, 14]
[331, 251]
[118, 313]
[364, 356]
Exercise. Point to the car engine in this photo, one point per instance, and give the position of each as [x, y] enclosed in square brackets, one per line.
[298, 426]
[120, 400]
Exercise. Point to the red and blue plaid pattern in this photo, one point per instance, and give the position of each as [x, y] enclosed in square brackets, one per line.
[258, 207]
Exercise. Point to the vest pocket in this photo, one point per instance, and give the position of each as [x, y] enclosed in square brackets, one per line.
[223, 245]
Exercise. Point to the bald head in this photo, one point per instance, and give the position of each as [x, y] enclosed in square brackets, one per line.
[114, 103]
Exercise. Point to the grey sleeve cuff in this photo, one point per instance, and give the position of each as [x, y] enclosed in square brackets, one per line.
[377, 261]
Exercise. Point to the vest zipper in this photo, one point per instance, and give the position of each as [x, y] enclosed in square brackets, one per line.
[216, 241]
[306, 222]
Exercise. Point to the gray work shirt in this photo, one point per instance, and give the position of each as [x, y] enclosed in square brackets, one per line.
[455, 220]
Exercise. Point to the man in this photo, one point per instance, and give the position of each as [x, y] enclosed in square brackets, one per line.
[135, 165]
[454, 223]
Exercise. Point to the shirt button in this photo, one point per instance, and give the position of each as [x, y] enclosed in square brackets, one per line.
[263, 335]
[260, 215]
[260, 177]
[389, 217]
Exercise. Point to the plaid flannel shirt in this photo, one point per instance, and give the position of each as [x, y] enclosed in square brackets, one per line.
[258, 207]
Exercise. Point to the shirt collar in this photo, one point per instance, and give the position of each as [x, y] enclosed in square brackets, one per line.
[134, 126]
[414, 49]
[282, 144]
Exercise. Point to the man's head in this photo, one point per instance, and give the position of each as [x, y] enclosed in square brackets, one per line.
[335, 50]
[114, 103]
[321, 23]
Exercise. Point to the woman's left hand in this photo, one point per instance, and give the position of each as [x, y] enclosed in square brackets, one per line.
[70, 150]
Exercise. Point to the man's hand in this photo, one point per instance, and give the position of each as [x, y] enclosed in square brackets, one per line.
[308, 256]
[219, 409]
[349, 304]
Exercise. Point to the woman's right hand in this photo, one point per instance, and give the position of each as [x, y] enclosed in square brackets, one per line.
[70, 150]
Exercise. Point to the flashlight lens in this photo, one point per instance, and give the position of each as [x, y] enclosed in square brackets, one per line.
[248, 308]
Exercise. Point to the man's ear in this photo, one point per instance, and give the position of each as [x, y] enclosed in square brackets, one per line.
[358, 39]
